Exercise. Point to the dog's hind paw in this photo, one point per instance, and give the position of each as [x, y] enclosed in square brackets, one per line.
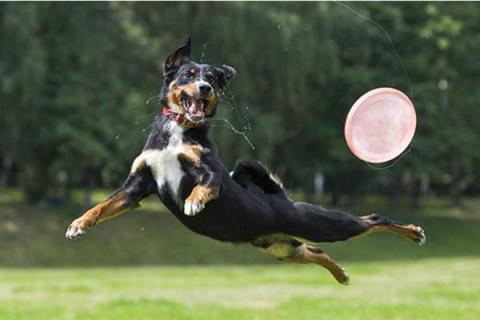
[343, 277]
[191, 208]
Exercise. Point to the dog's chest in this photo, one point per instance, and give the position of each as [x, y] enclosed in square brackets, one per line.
[164, 163]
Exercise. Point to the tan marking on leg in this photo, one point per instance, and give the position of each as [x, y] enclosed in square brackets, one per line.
[307, 254]
[202, 194]
[281, 247]
[409, 231]
[110, 208]
[105, 210]
[192, 153]
[198, 198]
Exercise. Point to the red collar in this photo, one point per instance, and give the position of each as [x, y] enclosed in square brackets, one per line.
[179, 118]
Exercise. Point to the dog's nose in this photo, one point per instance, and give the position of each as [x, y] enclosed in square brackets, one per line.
[204, 88]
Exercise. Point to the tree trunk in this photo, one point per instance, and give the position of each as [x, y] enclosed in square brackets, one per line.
[416, 192]
[336, 192]
[394, 194]
[456, 172]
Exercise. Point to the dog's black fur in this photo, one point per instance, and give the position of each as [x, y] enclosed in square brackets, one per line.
[180, 164]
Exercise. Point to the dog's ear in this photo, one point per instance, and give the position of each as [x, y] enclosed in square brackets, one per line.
[176, 59]
[225, 75]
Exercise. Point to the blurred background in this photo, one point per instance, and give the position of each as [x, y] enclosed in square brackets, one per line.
[79, 85]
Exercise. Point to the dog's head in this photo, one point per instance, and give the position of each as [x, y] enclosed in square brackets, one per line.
[192, 89]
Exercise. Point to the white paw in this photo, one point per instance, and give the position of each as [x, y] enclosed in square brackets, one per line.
[191, 208]
[74, 232]
[423, 238]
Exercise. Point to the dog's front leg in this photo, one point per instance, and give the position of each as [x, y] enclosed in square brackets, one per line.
[209, 176]
[138, 185]
[198, 198]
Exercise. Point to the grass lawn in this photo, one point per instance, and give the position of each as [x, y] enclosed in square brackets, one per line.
[408, 289]
[45, 276]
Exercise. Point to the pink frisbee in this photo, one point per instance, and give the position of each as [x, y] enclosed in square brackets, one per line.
[380, 125]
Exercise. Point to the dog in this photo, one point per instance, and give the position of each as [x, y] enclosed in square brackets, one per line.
[180, 164]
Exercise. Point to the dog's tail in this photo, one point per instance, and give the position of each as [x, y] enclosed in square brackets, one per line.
[250, 172]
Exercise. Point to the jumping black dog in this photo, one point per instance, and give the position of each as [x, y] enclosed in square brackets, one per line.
[180, 164]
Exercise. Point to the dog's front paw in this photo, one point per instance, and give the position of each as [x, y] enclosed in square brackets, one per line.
[419, 235]
[193, 207]
[77, 229]
[197, 199]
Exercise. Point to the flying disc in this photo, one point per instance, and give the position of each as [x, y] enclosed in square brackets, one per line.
[380, 125]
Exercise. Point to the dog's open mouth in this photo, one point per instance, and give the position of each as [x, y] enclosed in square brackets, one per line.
[193, 108]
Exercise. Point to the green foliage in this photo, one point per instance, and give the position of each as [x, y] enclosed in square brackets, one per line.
[76, 78]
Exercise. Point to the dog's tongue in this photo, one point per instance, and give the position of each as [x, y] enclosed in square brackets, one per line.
[195, 109]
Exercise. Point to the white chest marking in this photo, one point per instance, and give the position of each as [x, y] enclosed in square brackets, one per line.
[164, 164]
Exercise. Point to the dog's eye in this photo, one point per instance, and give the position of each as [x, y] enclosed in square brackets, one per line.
[188, 75]
[210, 77]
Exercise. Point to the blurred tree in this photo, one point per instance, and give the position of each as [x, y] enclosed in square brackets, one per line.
[79, 86]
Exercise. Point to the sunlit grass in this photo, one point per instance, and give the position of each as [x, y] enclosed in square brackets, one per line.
[425, 289]
[391, 278]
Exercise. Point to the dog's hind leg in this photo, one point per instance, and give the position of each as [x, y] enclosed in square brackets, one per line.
[383, 224]
[249, 173]
[316, 224]
[309, 254]
[288, 249]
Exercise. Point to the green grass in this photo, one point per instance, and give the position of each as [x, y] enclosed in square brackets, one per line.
[390, 278]
[424, 289]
